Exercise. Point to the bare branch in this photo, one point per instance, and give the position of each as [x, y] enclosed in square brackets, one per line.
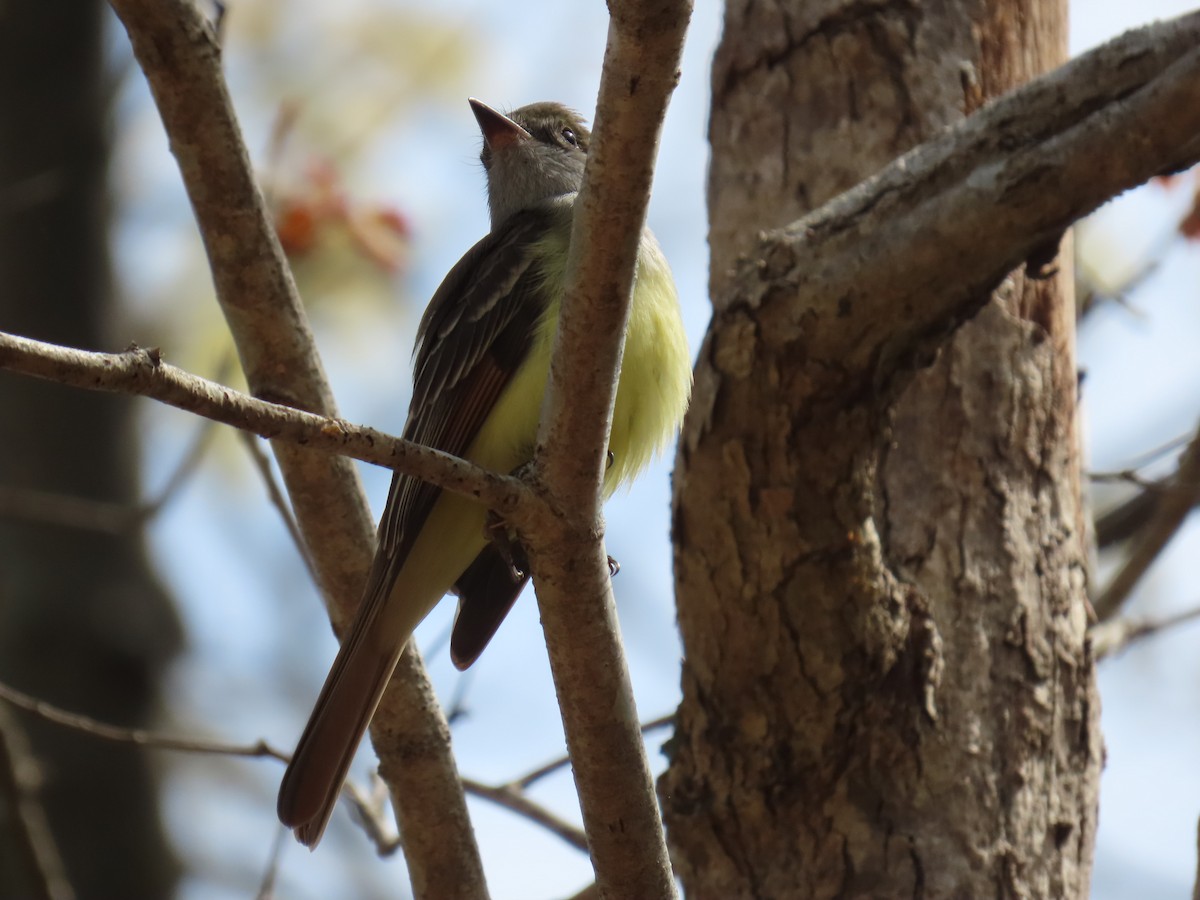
[1177, 500]
[530, 778]
[50, 508]
[142, 372]
[516, 801]
[25, 817]
[612, 776]
[512, 795]
[266, 887]
[65, 510]
[136, 736]
[1111, 637]
[368, 810]
[186, 468]
[1125, 519]
[875, 280]
[262, 465]
[179, 54]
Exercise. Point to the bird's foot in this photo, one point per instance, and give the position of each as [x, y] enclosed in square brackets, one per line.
[510, 550]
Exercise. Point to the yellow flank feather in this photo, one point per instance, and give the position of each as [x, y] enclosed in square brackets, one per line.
[656, 373]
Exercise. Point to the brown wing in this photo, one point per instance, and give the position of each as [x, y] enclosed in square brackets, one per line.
[473, 337]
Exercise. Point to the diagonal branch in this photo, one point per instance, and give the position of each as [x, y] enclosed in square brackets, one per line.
[142, 372]
[277, 496]
[28, 830]
[574, 593]
[518, 801]
[178, 53]
[1113, 635]
[138, 737]
[1178, 498]
[878, 277]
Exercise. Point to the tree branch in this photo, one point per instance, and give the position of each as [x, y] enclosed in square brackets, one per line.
[368, 812]
[139, 737]
[518, 802]
[1126, 519]
[26, 819]
[1112, 636]
[1174, 504]
[179, 55]
[529, 779]
[874, 281]
[574, 593]
[142, 372]
[277, 496]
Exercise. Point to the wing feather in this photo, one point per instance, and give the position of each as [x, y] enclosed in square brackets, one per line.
[473, 337]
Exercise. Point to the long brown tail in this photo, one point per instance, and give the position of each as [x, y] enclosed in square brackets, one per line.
[318, 768]
[411, 572]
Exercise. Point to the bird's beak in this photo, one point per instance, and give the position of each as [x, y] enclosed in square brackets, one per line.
[499, 131]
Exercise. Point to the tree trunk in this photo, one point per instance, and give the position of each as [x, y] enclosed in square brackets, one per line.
[83, 622]
[887, 686]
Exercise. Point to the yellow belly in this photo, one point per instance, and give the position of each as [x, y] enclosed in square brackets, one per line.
[652, 395]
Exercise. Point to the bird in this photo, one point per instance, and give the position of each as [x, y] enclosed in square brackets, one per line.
[480, 368]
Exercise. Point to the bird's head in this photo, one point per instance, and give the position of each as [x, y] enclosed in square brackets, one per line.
[531, 155]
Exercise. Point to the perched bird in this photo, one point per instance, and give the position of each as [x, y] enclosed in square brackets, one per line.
[480, 368]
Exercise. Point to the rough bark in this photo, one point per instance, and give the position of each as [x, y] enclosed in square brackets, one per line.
[83, 622]
[887, 688]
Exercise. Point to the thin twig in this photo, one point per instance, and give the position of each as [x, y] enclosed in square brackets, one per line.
[1124, 520]
[187, 467]
[66, 511]
[1180, 496]
[1155, 454]
[1124, 476]
[266, 887]
[262, 465]
[1113, 636]
[28, 826]
[137, 736]
[528, 780]
[513, 796]
[519, 803]
[456, 708]
[142, 372]
[369, 814]
[103, 516]
[191, 460]
[106, 517]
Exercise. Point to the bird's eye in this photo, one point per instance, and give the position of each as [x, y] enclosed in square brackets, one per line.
[568, 135]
